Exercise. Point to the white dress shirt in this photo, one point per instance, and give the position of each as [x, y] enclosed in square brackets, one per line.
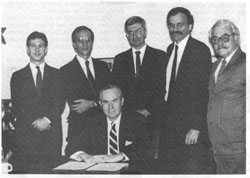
[34, 70]
[142, 50]
[227, 59]
[181, 48]
[83, 65]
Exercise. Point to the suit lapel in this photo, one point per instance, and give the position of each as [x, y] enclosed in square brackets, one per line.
[103, 129]
[212, 77]
[29, 78]
[79, 70]
[130, 63]
[122, 131]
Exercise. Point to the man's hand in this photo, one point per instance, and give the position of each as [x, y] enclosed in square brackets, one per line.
[144, 112]
[82, 105]
[113, 158]
[192, 136]
[41, 124]
[85, 157]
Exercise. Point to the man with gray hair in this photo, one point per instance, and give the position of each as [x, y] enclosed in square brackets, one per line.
[227, 99]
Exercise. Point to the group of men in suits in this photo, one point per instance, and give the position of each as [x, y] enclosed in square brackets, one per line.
[152, 89]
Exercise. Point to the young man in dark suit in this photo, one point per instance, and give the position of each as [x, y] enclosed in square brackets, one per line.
[139, 72]
[185, 138]
[227, 99]
[83, 77]
[112, 132]
[37, 99]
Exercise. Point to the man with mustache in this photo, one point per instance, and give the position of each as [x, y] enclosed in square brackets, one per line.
[139, 72]
[184, 139]
[227, 99]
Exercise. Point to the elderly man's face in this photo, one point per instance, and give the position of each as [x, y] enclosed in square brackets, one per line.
[111, 103]
[224, 41]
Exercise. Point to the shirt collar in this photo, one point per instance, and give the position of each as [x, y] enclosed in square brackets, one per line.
[228, 58]
[81, 60]
[182, 43]
[142, 50]
[41, 66]
[117, 121]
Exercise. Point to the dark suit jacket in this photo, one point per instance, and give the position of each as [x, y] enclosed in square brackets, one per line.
[147, 91]
[187, 105]
[77, 86]
[28, 106]
[227, 106]
[94, 137]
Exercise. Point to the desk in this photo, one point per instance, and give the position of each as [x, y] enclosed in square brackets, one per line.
[135, 167]
[153, 166]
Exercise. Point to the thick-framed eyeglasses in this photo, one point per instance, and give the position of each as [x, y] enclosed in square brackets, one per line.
[224, 38]
[139, 31]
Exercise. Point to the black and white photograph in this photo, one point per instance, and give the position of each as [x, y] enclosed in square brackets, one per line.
[124, 88]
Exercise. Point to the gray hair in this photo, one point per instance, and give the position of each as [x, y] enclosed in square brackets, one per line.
[225, 23]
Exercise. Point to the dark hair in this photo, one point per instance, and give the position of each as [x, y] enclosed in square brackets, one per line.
[37, 35]
[182, 10]
[111, 86]
[81, 28]
[133, 20]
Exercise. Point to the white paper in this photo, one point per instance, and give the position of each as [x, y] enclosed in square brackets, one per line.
[74, 165]
[107, 167]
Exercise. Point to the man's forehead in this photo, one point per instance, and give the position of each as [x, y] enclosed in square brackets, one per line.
[36, 40]
[110, 94]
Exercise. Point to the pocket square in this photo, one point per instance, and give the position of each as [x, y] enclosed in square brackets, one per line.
[128, 143]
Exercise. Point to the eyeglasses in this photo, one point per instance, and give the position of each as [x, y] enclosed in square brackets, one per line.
[224, 38]
[136, 32]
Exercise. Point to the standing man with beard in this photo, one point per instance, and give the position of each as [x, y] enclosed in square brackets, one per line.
[184, 138]
[139, 72]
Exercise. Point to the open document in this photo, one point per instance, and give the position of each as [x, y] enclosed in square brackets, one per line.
[107, 167]
[74, 165]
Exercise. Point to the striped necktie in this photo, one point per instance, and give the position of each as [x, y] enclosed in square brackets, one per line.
[113, 140]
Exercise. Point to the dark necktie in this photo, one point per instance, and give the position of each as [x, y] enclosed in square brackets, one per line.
[90, 77]
[173, 73]
[138, 63]
[113, 140]
[223, 66]
[39, 81]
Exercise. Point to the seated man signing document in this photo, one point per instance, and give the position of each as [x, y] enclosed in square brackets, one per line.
[110, 134]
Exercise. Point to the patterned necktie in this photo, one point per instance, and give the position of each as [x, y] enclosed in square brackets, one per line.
[39, 81]
[90, 77]
[113, 140]
[138, 63]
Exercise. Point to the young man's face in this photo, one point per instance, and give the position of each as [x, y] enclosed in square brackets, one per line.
[36, 50]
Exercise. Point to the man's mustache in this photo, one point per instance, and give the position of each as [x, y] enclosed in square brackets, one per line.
[177, 33]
